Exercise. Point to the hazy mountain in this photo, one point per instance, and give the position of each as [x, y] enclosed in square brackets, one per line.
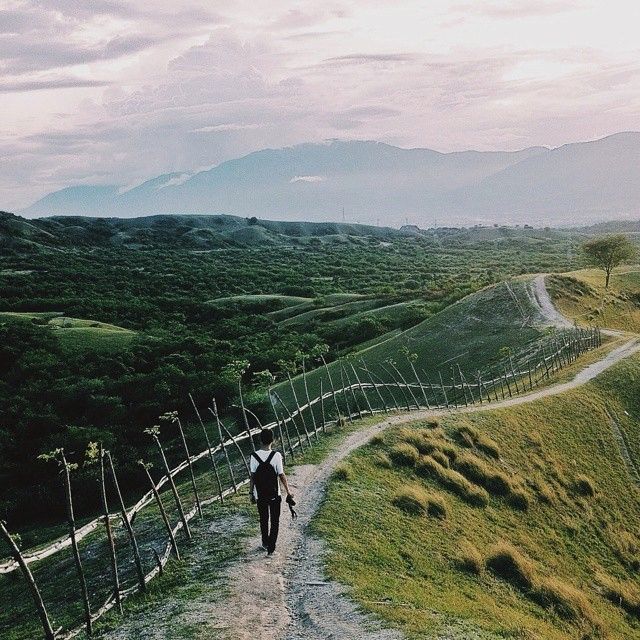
[375, 181]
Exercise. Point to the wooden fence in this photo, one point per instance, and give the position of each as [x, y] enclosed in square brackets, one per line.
[361, 391]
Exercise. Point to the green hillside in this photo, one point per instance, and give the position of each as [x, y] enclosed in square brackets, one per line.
[469, 333]
[509, 523]
[76, 334]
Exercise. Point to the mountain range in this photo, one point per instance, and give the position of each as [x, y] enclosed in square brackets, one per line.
[372, 182]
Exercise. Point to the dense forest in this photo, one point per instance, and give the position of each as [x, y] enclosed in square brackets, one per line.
[98, 337]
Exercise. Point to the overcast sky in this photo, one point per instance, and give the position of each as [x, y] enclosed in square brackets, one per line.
[109, 92]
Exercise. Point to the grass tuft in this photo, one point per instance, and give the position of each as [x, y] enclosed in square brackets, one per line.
[412, 500]
[470, 437]
[518, 499]
[511, 565]
[441, 458]
[623, 593]
[437, 506]
[567, 601]
[404, 454]
[470, 559]
[377, 440]
[343, 472]
[478, 471]
[584, 486]
[427, 467]
[381, 459]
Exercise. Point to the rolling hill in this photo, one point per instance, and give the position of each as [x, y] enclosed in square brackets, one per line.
[370, 180]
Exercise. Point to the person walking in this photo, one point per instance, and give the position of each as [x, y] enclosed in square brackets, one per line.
[267, 473]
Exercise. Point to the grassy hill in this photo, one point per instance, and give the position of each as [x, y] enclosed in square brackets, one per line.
[470, 333]
[510, 523]
[581, 295]
[76, 334]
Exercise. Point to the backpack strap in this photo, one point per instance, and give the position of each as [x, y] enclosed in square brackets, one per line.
[270, 458]
[267, 460]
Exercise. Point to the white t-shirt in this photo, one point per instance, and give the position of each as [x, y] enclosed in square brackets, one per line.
[276, 463]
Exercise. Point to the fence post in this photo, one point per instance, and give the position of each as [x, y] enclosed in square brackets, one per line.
[33, 587]
[235, 442]
[373, 384]
[74, 543]
[344, 393]
[444, 391]
[293, 422]
[306, 393]
[324, 422]
[424, 393]
[176, 496]
[107, 525]
[362, 391]
[224, 450]
[286, 431]
[295, 399]
[404, 382]
[211, 456]
[352, 390]
[333, 390]
[244, 412]
[163, 512]
[174, 417]
[398, 385]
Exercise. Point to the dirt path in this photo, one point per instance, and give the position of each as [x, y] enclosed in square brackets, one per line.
[547, 309]
[286, 596]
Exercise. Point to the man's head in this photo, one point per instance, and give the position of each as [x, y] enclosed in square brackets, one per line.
[266, 437]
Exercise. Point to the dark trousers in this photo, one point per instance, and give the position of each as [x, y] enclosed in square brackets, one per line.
[269, 510]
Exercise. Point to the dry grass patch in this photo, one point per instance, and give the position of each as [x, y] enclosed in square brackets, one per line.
[469, 436]
[623, 593]
[441, 458]
[626, 546]
[404, 454]
[343, 472]
[455, 482]
[381, 459]
[470, 559]
[518, 499]
[565, 600]
[584, 486]
[478, 471]
[377, 440]
[416, 500]
[511, 565]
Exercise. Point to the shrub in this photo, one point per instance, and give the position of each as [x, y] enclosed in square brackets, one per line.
[440, 458]
[481, 473]
[584, 486]
[518, 499]
[510, 564]
[625, 594]
[382, 460]
[412, 499]
[343, 472]
[471, 437]
[437, 506]
[404, 454]
[567, 601]
[470, 559]
[452, 480]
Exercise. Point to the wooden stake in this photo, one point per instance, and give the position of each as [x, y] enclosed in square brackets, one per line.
[115, 580]
[373, 384]
[398, 386]
[293, 422]
[409, 389]
[163, 512]
[344, 393]
[286, 431]
[295, 399]
[351, 390]
[28, 576]
[244, 413]
[127, 525]
[211, 456]
[362, 391]
[333, 389]
[444, 391]
[306, 393]
[424, 393]
[324, 422]
[174, 489]
[190, 465]
[74, 544]
[237, 446]
[224, 449]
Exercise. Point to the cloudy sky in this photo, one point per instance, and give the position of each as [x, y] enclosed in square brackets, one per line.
[114, 92]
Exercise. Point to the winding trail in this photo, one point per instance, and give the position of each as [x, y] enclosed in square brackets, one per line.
[286, 596]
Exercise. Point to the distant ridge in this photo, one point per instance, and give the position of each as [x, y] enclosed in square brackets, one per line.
[576, 183]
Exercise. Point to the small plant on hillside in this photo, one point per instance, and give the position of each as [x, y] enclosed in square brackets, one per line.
[478, 471]
[567, 601]
[412, 499]
[470, 437]
[518, 499]
[343, 472]
[404, 454]
[437, 506]
[427, 467]
[584, 486]
[511, 565]
[623, 593]
[381, 459]
[470, 559]
[441, 458]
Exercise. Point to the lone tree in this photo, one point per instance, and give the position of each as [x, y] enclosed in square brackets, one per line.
[607, 252]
